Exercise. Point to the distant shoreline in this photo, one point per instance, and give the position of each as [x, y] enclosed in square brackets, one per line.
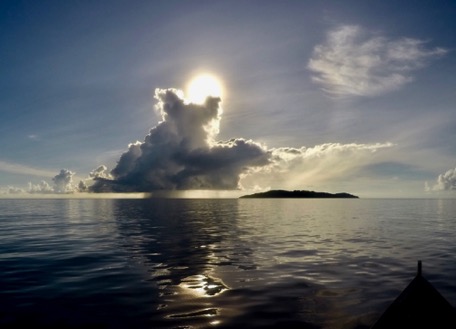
[298, 194]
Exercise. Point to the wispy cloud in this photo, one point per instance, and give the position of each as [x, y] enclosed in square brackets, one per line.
[356, 62]
[297, 167]
[15, 168]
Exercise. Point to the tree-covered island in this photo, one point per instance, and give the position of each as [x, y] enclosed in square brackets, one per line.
[297, 194]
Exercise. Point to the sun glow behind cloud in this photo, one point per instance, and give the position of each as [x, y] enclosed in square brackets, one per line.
[301, 81]
[182, 152]
[202, 86]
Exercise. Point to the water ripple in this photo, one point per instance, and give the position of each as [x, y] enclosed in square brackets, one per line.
[217, 263]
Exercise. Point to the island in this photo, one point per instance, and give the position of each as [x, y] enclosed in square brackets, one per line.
[297, 194]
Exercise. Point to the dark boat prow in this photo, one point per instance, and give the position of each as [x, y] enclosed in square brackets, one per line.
[419, 305]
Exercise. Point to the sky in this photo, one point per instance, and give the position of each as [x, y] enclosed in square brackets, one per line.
[354, 96]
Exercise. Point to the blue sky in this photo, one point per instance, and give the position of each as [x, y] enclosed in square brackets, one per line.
[354, 96]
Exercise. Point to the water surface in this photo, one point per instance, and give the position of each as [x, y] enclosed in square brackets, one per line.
[220, 263]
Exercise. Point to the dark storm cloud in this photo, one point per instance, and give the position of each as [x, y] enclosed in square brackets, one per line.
[181, 151]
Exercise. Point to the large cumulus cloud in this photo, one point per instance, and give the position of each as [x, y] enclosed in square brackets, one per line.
[181, 151]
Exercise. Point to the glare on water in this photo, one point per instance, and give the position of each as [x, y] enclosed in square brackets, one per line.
[222, 262]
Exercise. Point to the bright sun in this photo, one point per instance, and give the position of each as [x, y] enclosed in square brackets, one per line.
[202, 86]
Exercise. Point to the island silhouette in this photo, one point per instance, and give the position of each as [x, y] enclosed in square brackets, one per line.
[297, 194]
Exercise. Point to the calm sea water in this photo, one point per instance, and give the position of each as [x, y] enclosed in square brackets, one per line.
[180, 263]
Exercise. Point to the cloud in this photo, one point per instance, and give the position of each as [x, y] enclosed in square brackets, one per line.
[13, 190]
[295, 167]
[445, 182]
[63, 181]
[16, 168]
[354, 62]
[42, 188]
[181, 151]
[100, 172]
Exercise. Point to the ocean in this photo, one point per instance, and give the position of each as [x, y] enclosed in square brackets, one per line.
[218, 263]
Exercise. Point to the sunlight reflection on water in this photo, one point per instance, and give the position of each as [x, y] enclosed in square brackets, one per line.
[224, 263]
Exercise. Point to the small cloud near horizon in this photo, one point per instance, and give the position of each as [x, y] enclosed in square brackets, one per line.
[444, 182]
[63, 183]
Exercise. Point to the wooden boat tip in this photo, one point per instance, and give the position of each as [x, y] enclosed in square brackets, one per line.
[418, 305]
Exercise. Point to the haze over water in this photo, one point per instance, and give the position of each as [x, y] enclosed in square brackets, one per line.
[218, 263]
